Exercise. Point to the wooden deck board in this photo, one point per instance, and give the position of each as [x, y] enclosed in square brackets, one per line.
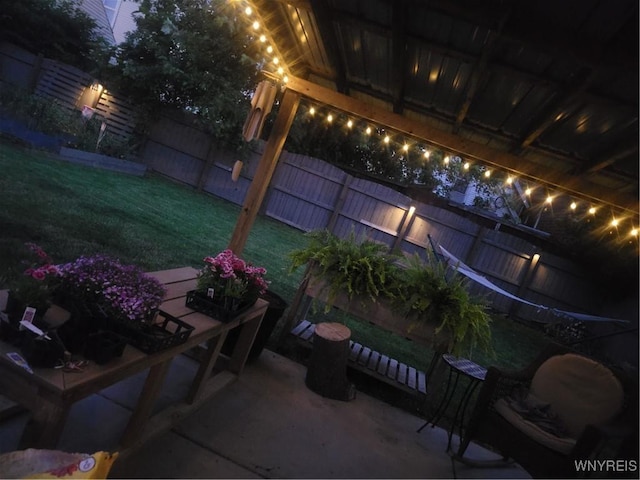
[373, 363]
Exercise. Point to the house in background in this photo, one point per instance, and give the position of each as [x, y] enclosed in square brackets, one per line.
[114, 18]
[96, 10]
[120, 16]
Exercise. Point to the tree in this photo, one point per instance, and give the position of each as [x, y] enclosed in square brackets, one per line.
[57, 29]
[189, 55]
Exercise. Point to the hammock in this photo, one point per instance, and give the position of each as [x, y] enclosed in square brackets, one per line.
[467, 271]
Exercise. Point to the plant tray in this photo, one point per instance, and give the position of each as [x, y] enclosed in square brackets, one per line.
[103, 346]
[163, 332]
[201, 303]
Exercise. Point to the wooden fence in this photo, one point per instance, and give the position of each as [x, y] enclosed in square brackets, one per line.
[64, 83]
[310, 194]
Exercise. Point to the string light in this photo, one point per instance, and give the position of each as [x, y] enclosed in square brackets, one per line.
[256, 23]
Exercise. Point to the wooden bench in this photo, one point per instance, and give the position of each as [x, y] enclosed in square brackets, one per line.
[373, 363]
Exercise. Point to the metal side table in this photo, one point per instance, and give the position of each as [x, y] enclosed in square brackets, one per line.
[475, 375]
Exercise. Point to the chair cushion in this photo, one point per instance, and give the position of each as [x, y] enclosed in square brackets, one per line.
[533, 431]
[579, 390]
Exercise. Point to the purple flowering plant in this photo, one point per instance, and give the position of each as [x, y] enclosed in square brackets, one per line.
[35, 284]
[230, 276]
[121, 290]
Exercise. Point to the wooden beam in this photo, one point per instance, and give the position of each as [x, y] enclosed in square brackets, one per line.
[324, 20]
[464, 147]
[264, 172]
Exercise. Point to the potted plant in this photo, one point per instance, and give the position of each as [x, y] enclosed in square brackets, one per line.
[105, 295]
[32, 284]
[426, 293]
[406, 295]
[362, 270]
[227, 286]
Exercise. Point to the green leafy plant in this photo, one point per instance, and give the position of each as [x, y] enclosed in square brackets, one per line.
[429, 291]
[357, 268]
[418, 290]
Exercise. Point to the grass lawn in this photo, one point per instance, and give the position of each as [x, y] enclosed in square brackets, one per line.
[72, 210]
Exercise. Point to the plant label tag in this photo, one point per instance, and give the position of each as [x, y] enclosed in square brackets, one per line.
[18, 360]
[29, 314]
[210, 292]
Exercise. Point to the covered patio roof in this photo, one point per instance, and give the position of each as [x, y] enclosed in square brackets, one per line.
[546, 90]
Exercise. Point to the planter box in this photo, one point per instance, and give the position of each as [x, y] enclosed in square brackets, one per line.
[105, 162]
[201, 303]
[379, 313]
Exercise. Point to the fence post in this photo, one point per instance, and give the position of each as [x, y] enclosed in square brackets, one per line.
[206, 167]
[342, 197]
[526, 283]
[405, 223]
[35, 73]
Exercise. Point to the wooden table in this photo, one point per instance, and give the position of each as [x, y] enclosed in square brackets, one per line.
[50, 393]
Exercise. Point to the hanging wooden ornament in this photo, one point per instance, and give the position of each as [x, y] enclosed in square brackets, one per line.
[235, 172]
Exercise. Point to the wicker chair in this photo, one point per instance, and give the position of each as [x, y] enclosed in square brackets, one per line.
[593, 410]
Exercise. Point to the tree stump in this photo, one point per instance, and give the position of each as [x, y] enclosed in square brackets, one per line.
[327, 370]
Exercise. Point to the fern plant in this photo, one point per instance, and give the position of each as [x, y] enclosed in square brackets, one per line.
[420, 291]
[428, 293]
[358, 268]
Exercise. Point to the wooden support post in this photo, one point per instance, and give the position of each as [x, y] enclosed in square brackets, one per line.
[264, 172]
[327, 371]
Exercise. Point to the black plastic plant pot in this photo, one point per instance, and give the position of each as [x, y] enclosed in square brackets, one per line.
[275, 310]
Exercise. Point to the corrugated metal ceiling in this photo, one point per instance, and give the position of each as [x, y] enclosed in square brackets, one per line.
[555, 82]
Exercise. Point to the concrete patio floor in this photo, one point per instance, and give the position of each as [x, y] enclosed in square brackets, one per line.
[265, 425]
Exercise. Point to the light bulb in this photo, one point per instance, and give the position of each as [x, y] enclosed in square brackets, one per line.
[256, 25]
[387, 139]
[487, 173]
[634, 232]
[405, 147]
[312, 111]
[248, 11]
[269, 49]
[549, 199]
[368, 131]
[573, 205]
[329, 118]
[592, 210]
[426, 154]
[446, 160]
[263, 38]
[614, 222]
[527, 192]
[467, 165]
[350, 124]
[509, 180]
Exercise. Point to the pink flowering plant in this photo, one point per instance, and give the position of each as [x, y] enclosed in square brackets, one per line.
[229, 276]
[124, 291]
[35, 284]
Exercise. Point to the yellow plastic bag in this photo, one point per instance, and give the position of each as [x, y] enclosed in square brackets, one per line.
[34, 464]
